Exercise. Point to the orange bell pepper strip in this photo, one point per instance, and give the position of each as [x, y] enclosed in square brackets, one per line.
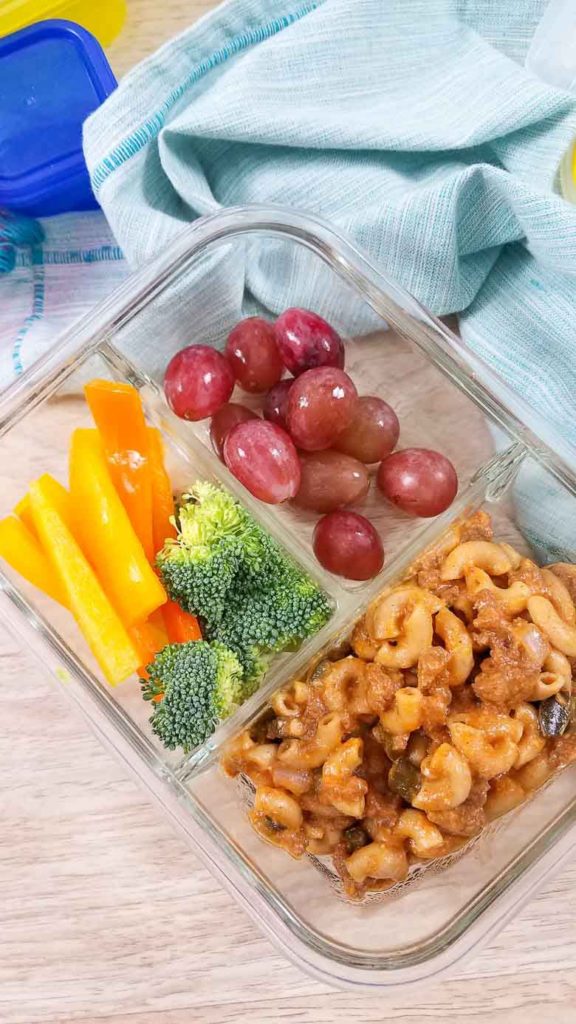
[59, 498]
[119, 416]
[20, 547]
[103, 631]
[149, 639]
[163, 510]
[180, 625]
[106, 535]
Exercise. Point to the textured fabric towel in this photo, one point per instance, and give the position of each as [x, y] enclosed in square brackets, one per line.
[412, 125]
[54, 273]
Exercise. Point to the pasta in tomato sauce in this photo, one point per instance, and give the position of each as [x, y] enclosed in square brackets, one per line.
[454, 703]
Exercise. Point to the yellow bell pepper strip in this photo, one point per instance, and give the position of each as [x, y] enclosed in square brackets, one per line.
[104, 632]
[162, 498]
[106, 535]
[119, 416]
[59, 498]
[24, 512]
[21, 548]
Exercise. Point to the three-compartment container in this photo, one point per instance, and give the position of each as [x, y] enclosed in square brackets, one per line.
[232, 264]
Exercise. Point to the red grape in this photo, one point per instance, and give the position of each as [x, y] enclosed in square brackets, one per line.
[348, 545]
[262, 457]
[227, 417]
[306, 340]
[321, 403]
[276, 403]
[253, 354]
[198, 380]
[331, 480]
[372, 434]
[419, 481]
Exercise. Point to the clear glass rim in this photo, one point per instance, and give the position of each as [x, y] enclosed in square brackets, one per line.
[472, 376]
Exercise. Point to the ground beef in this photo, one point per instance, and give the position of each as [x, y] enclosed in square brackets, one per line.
[276, 729]
[437, 734]
[510, 672]
[433, 674]
[477, 527]
[503, 681]
[491, 625]
[435, 711]
[530, 574]
[315, 710]
[382, 809]
[454, 594]
[463, 699]
[381, 685]
[375, 764]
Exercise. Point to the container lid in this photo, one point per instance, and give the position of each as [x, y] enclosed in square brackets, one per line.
[52, 76]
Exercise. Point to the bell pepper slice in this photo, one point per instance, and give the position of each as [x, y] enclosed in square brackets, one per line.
[106, 534]
[24, 512]
[180, 625]
[20, 547]
[162, 498]
[119, 416]
[59, 498]
[149, 639]
[103, 630]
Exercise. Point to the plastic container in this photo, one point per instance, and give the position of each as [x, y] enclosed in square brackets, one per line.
[424, 926]
[52, 76]
[103, 19]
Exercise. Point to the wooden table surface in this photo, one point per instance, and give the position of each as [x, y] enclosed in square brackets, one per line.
[105, 916]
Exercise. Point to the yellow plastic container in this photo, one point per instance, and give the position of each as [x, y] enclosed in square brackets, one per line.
[568, 175]
[103, 18]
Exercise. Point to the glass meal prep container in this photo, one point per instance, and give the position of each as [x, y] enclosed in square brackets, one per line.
[446, 399]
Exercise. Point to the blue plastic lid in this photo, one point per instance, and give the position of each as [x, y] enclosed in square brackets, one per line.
[52, 76]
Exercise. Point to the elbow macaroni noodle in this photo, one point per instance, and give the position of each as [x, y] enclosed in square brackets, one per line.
[559, 633]
[457, 641]
[476, 554]
[430, 728]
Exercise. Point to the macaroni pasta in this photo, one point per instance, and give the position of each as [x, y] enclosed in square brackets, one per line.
[441, 718]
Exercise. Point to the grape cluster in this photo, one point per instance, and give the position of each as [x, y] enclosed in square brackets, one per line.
[316, 437]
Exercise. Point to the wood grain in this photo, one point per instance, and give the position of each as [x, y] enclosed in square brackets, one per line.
[149, 24]
[107, 918]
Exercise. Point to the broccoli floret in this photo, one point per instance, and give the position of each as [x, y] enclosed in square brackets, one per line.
[199, 683]
[217, 540]
[248, 593]
[290, 608]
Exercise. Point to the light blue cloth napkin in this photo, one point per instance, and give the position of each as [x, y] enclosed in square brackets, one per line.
[411, 124]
